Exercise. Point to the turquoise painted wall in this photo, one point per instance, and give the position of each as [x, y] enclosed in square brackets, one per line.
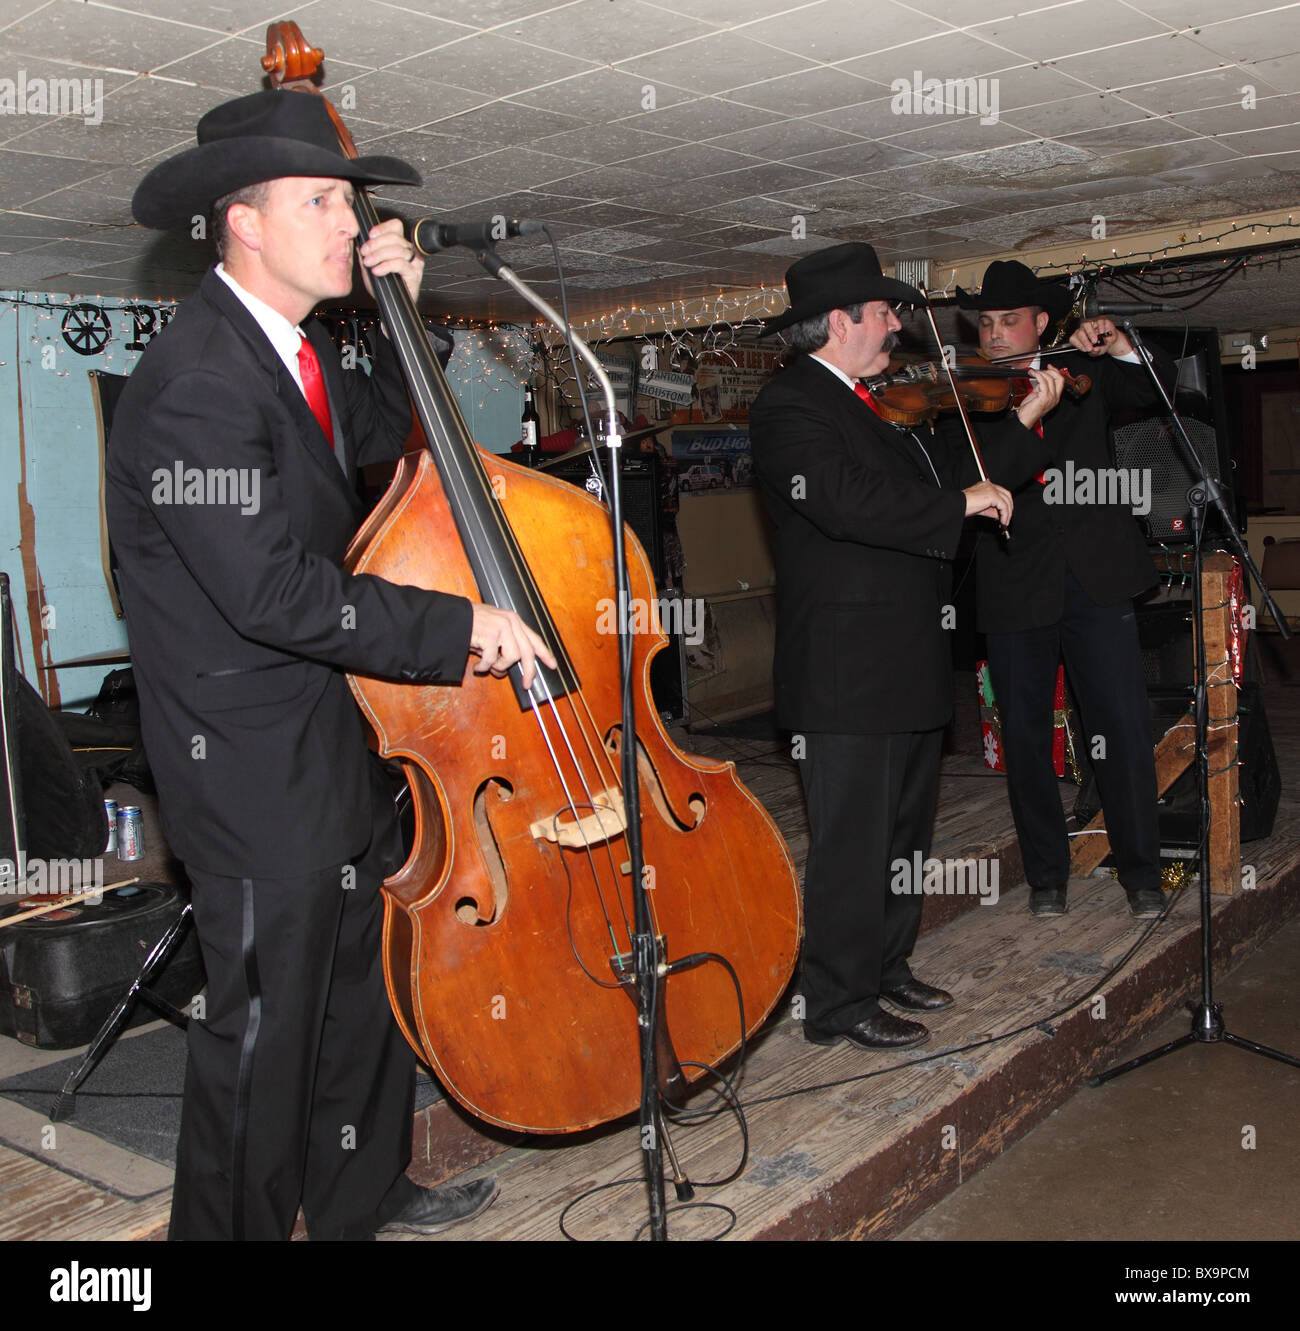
[49, 470]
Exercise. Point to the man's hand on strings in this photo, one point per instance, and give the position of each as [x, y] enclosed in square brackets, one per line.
[1048, 384]
[500, 639]
[387, 250]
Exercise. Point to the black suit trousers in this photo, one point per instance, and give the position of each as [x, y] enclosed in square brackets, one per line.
[1099, 645]
[299, 1085]
[871, 801]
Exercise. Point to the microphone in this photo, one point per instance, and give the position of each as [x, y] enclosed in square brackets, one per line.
[1092, 307]
[429, 234]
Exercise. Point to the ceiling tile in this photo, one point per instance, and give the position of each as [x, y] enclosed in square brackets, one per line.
[493, 65]
[1282, 74]
[425, 149]
[1083, 25]
[1192, 13]
[784, 139]
[715, 63]
[606, 182]
[162, 103]
[950, 55]
[1251, 143]
[106, 143]
[704, 118]
[594, 31]
[386, 97]
[1111, 139]
[1234, 119]
[221, 16]
[22, 226]
[1132, 63]
[727, 13]
[361, 32]
[1075, 114]
[688, 161]
[233, 64]
[964, 13]
[603, 144]
[806, 94]
[517, 168]
[1191, 92]
[1031, 85]
[604, 95]
[857, 159]
[956, 136]
[1276, 33]
[505, 123]
[481, 14]
[825, 30]
[872, 119]
[123, 41]
[30, 176]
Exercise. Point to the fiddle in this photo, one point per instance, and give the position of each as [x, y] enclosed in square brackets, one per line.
[920, 392]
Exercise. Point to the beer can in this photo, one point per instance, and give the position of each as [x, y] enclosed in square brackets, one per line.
[110, 816]
[130, 833]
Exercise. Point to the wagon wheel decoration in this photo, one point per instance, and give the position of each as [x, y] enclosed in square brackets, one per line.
[86, 329]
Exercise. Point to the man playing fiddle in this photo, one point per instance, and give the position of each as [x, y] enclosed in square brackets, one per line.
[1062, 588]
[866, 518]
[299, 1086]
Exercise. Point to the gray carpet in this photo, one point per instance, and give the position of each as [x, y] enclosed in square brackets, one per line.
[133, 1098]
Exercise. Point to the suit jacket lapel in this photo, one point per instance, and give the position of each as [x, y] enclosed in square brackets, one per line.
[286, 389]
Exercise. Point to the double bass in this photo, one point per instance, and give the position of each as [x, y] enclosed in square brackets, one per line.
[507, 933]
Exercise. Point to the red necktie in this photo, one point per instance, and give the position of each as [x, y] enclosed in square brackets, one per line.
[313, 387]
[1026, 386]
[865, 394]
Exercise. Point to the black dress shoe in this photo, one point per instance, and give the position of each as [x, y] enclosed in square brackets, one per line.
[436, 1209]
[881, 1030]
[913, 996]
[1047, 901]
[1145, 902]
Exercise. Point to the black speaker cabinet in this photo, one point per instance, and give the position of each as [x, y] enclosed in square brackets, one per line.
[1151, 442]
[1153, 445]
[1165, 639]
[640, 490]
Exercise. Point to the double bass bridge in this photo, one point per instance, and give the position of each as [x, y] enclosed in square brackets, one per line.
[606, 820]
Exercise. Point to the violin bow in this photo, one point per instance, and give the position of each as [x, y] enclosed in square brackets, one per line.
[961, 406]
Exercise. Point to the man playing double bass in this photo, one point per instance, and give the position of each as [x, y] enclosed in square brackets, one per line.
[299, 1086]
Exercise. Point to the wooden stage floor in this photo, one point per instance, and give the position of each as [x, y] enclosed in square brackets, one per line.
[841, 1143]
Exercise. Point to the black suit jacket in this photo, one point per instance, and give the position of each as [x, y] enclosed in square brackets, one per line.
[862, 538]
[1020, 584]
[241, 619]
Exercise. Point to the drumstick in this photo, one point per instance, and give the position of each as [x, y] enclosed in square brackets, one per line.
[67, 901]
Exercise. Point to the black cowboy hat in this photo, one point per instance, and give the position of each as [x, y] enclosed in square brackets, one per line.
[1009, 285]
[833, 278]
[260, 137]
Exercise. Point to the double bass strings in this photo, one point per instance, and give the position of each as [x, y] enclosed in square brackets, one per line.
[467, 473]
[573, 807]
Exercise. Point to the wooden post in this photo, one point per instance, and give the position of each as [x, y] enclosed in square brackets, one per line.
[1225, 821]
[1176, 752]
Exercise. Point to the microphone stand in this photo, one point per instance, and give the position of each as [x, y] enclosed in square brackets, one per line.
[1207, 1015]
[648, 966]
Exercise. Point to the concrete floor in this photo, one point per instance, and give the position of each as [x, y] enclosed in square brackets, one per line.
[1163, 1153]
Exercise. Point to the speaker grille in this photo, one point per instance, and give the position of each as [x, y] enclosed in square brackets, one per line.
[1153, 445]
